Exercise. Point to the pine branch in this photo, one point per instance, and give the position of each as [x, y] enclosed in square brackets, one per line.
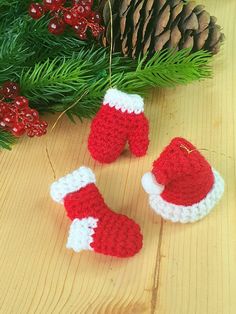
[27, 42]
[168, 68]
[14, 53]
[6, 140]
[46, 45]
[53, 85]
[12, 62]
[13, 8]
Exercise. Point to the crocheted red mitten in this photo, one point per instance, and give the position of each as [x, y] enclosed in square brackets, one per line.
[120, 119]
[182, 185]
[95, 227]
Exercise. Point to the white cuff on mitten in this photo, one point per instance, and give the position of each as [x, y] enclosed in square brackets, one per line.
[130, 103]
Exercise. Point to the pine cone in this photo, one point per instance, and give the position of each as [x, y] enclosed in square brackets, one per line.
[147, 26]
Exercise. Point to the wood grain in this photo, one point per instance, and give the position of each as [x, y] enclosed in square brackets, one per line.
[181, 269]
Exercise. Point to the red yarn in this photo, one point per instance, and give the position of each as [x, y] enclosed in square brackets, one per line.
[115, 235]
[112, 128]
[184, 172]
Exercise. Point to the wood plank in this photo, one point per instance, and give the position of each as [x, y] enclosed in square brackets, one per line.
[181, 269]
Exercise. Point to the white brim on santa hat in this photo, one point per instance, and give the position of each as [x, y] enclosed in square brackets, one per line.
[130, 103]
[192, 213]
[72, 182]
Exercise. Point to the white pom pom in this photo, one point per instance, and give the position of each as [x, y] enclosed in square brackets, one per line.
[150, 184]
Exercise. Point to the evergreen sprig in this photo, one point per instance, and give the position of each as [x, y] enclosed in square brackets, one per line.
[53, 85]
[6, 140]
[168, 68]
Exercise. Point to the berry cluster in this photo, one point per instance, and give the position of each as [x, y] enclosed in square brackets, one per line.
[79, 16]
[15, 114]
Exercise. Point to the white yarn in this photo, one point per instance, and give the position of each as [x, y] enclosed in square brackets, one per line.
[71, 182]
[81, 234]
[186, 214]
[150, 184]
[132, 103]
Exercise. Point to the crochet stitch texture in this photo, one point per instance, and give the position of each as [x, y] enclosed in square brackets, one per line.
[182, 185]
[184, 172]
[120, 119]
[95, 227]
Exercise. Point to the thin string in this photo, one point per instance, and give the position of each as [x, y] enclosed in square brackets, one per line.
[70, 107]
[111, 43]
[189, 151]
[50, 161]
[186, 148]
[53, 128]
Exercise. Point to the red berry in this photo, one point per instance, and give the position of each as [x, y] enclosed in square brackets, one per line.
[96, 29]
[95, 33]
[17, 117]
[87, 9]
[9, 119]
[18, 130]
[10, 90]
[81, 26]
[82, 36]
[70, 17]
[56, 26]
[95, 17]
[84, 2]
[39, 128]
[80, 9]
[32, 116]
[43, 124]
[21, 102]
[35, 115]
[53, 5]
[3, 108]
[36, 10]
[83, 10]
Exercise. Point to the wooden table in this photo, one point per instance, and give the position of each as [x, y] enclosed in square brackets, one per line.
[182, 269]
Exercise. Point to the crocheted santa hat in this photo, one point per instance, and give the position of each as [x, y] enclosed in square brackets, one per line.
[182, 186]
[94, 225]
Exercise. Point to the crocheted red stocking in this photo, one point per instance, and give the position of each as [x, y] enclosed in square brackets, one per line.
[119, 120]
[95, 227]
